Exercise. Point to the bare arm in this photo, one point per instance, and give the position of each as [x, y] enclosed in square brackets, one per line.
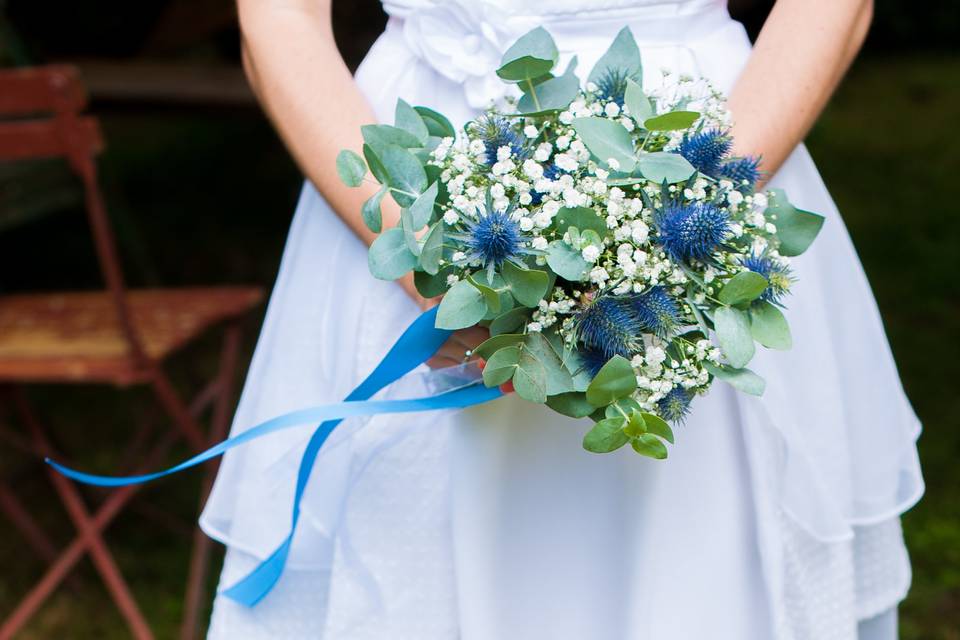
[803, 50]
[296, 71]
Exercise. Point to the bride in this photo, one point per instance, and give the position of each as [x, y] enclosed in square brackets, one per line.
[776, 518]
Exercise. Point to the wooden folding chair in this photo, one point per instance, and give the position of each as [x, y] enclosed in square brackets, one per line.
[114, 336]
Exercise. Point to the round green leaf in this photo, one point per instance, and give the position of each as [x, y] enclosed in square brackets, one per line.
[582, 218]
[573, 404]
[658, 427]
[389, 257]
[407, 177]
[530, 380]
[607, 139]
[531, 56]
[501, 366]
[370, 211]
[432, 249]
[769, 327]
[509, 321]
[463, 306]
[649, 445]
[637, 101]
[409, 120]
[437, 123]
[379, 136]
[621, 59]
[663, 166]
[351, 168]
[527, 285]
[606, 436]
[558, 377]
[733, 332]
[489, 294]
[615, 380]
[422, 208]
[673, 121]
[740, 379]
[432, 285]
[566, 261]
[492, 344]
[742, 288]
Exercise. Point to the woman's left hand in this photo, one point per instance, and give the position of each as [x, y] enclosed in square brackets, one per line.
[459, 348]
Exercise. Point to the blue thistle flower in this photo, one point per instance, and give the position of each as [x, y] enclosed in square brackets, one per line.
[656, 311]
[779, 276]
[705, 150]
[609, 327]
[691, 231]
[675, 406]
[612, 85]
[496, 132]
[742, 172]
[593, 360]
[492, 238]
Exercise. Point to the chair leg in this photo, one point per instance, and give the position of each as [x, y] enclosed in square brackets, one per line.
[89, 534]
[178, 410]
[24, 522]
[202, 545]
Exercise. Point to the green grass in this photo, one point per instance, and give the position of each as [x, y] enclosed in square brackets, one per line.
[206, 197]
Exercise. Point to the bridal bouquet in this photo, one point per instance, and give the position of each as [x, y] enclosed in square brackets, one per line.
[620, 256]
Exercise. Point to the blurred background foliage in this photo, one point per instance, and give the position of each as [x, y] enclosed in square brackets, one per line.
[201, 191]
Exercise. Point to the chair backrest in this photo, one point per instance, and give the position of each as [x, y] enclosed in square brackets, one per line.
[41, 116]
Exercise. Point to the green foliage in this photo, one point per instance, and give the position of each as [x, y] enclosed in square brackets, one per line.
[607, 435]
[662, 166]
[566, 261]
[351, 168]
[463, 306]
[607, 140]
[796, 228]
[390, 257]
[554, 94]
[409, 120]
[532, 56]
[582, 218]
[407, 178]
[432, 249]
[637, 101]
[742, 288]
[740, 379]
[769, 327]
[673, 121]
[370, 211]
[615, 380]
[527, 285]
[623, 57]
[733, 332]
[501, 365]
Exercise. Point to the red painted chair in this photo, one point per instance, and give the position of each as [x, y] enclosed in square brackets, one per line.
[114, 336]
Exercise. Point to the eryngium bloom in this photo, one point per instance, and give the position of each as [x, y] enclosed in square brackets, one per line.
[742, 172]
[675, 406]
[496, 132]
[705, 150]
[692, 231]
[609, 327]
[492, 238]
[656, 311]
[779, 277]
[612, 85]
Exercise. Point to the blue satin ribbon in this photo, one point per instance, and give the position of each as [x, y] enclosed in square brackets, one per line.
[417, 344]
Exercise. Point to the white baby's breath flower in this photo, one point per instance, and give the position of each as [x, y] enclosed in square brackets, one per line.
[530, 131]
[734, 197]
[526, 224]
[532, 169]
[612, 110]
[452, 279]
[458, 256]
[539, 243]
[477, 148]
[590, 253]
[504, 152]
[563, 142]
[450, 216]
[534, 326]
[525, 198]
[613, 163]
[542, 152]
[599, 275]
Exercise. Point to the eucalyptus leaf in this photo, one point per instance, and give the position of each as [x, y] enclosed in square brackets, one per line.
[527, 285]
[432, 285]
[463, 306]
[487, 348]
[650, 446]
[389, 258]
[370, 211]
[637, 101]
[742, 288]
[796, 228]
[509, 321]
[573, 404]
[530, 379]
[551, 95]
[733, 332]
[566, 261]
[379, 136]
[658, 426]
[432, 249]
[606, 436]
[351, 168]
[407, 177]
[740, 379]
[533, 55]
[615, 380]
[437, 123]
[607, 140]
[769, 327]
[489, 294]
[558, 379]
[501, 366]
[582, 218]
[621, 58]
[663, 166]
[406, 223]
[422, 208]
[409, 120]
[376, 165]
[672, 121]
[636, 425]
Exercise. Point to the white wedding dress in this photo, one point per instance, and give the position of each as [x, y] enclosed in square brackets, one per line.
[773, 518]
